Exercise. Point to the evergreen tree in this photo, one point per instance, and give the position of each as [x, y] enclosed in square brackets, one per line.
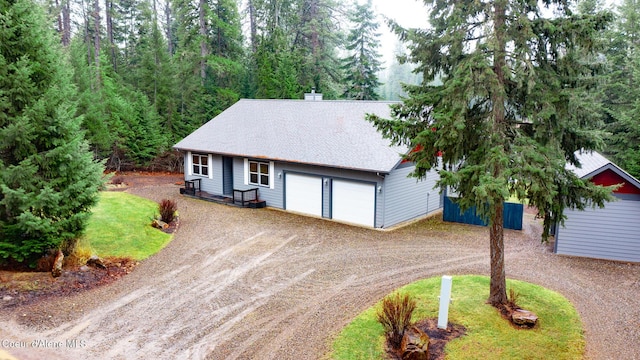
[622, 88]
[316, 41]
[276, 71]
[225, 62]
[361, 67]
[507, 116]
[48, 178]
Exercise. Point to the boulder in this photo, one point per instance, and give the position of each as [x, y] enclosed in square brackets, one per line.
[96, 262]
[56, 270]
[415, 344]
[524, 318]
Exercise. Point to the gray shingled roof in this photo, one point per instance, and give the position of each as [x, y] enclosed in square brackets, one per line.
[328, 133]
[594, 163]
[590, 161]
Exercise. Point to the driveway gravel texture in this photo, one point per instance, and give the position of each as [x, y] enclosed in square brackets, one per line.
[266, 284]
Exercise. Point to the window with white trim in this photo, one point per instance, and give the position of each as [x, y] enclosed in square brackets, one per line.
[200, 164]
[258, 173]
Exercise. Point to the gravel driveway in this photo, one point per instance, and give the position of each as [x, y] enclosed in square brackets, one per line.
[265, 284]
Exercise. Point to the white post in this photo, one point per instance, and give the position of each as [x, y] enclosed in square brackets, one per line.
[445, 299]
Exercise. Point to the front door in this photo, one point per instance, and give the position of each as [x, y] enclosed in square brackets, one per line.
[227, 175]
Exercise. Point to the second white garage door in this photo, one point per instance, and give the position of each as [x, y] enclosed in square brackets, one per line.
[353, 202]
[304, 194]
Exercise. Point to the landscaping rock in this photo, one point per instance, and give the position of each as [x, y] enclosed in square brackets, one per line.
[524, 318]
[84, 268]
[7, 298]
[56, 270]
[96, 262]
[159, 224]
[414, 345]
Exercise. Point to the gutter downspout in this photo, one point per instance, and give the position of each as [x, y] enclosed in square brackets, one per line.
[384, 199]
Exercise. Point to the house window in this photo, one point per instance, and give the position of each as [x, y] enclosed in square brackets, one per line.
[200, 164]
[258, 173]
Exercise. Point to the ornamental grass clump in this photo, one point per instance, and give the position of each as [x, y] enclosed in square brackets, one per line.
[167, 209]
[395, 317]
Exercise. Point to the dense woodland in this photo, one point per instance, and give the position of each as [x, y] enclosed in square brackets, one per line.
[150, 71]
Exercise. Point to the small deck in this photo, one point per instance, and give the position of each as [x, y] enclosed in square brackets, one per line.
[241, 198]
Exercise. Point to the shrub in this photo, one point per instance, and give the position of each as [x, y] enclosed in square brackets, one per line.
[395, 317]
[167, 210]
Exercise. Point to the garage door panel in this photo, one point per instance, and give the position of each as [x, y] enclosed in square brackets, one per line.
[353, 202]
[304, 194]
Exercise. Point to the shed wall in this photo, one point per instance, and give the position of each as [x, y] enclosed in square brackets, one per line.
[610, 233]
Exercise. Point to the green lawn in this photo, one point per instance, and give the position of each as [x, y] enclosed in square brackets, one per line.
[558, 334]
[120, 225]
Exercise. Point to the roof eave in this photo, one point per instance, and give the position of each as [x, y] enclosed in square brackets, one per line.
[264, 157]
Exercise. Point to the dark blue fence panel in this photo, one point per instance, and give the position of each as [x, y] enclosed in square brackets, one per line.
[512, 215]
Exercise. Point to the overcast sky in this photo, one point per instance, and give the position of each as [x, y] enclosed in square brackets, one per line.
[408, 13]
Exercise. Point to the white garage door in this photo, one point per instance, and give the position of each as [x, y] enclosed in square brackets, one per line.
[303, 194]
[353, 202]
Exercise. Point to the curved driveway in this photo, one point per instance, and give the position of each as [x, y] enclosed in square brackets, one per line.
[265, 284]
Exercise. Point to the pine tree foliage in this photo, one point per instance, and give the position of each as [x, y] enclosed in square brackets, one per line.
[48, 178]
[622, 87]
[361, 67]
[317, 39]
[508, 115]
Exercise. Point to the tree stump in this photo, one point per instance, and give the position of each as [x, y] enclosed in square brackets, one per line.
[56, 270]
[159, 224]
[415, 344]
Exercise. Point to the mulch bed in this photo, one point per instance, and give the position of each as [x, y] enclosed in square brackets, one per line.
[24, 288]
[438, 338]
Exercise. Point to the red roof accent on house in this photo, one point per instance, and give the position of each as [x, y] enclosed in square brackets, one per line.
[608, 177]
[414, 150]
[419, 148]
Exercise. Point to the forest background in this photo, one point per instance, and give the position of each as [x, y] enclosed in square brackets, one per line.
[149, 72]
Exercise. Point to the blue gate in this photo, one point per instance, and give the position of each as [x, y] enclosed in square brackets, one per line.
[512, 215]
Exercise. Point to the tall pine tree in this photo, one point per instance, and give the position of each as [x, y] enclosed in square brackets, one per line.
[361, 67]
[622, 88]
[506, 117]
[48, 178]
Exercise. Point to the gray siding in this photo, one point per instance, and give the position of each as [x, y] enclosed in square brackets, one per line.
[214, 185]
[273, 197]
[611, 233]
[401, 199]
[406, 198]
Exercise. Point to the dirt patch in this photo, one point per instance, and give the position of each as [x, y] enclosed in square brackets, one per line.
[25, 288]
[137, 179]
